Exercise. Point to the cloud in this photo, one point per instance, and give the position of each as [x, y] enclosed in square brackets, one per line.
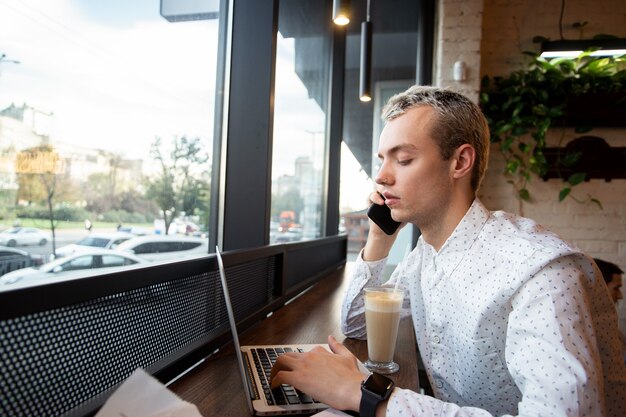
[109, 85]
[118, 84]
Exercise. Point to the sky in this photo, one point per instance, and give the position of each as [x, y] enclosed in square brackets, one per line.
[115, 75]
[114, 83]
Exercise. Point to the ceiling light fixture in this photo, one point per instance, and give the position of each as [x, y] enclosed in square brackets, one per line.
[365, 76]
[341, 12]
[599, 46]
[573, 48]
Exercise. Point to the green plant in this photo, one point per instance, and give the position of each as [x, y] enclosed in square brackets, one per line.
[522, 107]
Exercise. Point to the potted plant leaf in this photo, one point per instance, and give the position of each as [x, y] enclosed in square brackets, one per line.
[522, 107]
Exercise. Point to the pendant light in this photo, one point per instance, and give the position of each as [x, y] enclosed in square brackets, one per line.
[341, 12]
[365, 75]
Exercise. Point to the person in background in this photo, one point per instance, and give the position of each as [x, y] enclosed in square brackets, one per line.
[613, 275]
[509, 318]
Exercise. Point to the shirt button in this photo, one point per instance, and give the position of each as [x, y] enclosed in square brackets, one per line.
[436, 339]
[439, 383]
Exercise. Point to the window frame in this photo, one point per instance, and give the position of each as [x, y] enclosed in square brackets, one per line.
[242, 155]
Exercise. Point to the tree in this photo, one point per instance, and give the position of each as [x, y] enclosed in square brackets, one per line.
[8, 195]
[39, 171]
[179, 177]
[101, 189]
[96, 192]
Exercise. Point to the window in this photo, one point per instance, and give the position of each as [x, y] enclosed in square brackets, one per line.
[300, 107]
[393, 69]
[189, 245]
[112, 260]
[146, 248]
[106, 120]
[82, 262]
[117, 242]
[95, 242]
[163, 247]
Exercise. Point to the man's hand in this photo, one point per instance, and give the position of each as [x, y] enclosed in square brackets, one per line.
[332, 378]
[378, 242]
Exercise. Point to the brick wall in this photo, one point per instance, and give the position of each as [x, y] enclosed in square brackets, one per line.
[507, 30]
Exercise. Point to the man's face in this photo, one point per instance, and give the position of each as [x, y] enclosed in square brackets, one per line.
[413, 176]
[615, 287]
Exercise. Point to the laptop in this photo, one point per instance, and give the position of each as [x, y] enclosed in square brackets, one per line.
[255, 364]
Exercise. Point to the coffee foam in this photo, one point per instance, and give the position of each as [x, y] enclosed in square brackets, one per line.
[384, 302]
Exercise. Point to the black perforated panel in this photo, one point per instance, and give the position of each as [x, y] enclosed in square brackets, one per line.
[55, 361]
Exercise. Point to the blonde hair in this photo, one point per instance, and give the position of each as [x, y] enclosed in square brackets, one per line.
[458, 121]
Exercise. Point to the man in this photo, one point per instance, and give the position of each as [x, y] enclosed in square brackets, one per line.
[509, 318]
[612, 275]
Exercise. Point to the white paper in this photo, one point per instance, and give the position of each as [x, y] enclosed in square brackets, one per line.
[141, 395]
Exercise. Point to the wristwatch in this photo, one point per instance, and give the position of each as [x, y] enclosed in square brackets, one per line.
[375, 389]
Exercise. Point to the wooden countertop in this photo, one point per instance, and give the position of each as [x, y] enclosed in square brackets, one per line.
[215, 387]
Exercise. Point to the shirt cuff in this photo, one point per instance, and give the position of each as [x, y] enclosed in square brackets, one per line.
[410, 403]
[375, 267]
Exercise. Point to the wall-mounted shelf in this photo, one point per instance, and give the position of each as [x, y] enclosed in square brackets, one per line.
[596, 110]
[598, 160]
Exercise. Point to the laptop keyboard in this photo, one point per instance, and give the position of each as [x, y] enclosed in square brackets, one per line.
[264, 358]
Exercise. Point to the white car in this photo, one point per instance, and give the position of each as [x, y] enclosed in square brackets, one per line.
[12, 259]
[24, 236]
[165, 247]
[97, 258]
[95, 240]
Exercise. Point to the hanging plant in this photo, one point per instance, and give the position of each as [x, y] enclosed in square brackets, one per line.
[522, 107]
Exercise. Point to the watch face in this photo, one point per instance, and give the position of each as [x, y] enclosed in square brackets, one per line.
[378, 383]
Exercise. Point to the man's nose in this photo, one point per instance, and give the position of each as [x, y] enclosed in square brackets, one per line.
[383, 176]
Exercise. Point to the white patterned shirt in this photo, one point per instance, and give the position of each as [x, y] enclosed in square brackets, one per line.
[509, 320]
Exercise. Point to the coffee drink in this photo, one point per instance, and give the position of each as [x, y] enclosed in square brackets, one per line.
[382, 315]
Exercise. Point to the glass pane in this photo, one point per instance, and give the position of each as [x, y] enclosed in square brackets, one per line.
[82, 262]
[112, 260]
[394, 56]
[106, 123]
[355, 185]
[300, 106]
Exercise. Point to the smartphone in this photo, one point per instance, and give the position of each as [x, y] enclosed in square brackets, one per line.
[381, 215]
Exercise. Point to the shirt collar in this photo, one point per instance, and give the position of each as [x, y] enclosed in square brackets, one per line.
[468, 228]
[462, 238]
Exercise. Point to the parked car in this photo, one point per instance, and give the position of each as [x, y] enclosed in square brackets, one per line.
[96, 258]
[23, 236]
[12, 259]
[165, 247]
[95, 240]
[177, 226]
[135, 230]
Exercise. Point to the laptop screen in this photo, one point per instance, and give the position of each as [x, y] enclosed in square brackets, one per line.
[233, 329]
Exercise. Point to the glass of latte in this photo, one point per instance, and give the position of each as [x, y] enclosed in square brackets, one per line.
[382, 316]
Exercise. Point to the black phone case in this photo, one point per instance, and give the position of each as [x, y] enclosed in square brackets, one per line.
[381, 215]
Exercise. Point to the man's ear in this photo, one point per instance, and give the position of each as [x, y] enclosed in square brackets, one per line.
[464, 157]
